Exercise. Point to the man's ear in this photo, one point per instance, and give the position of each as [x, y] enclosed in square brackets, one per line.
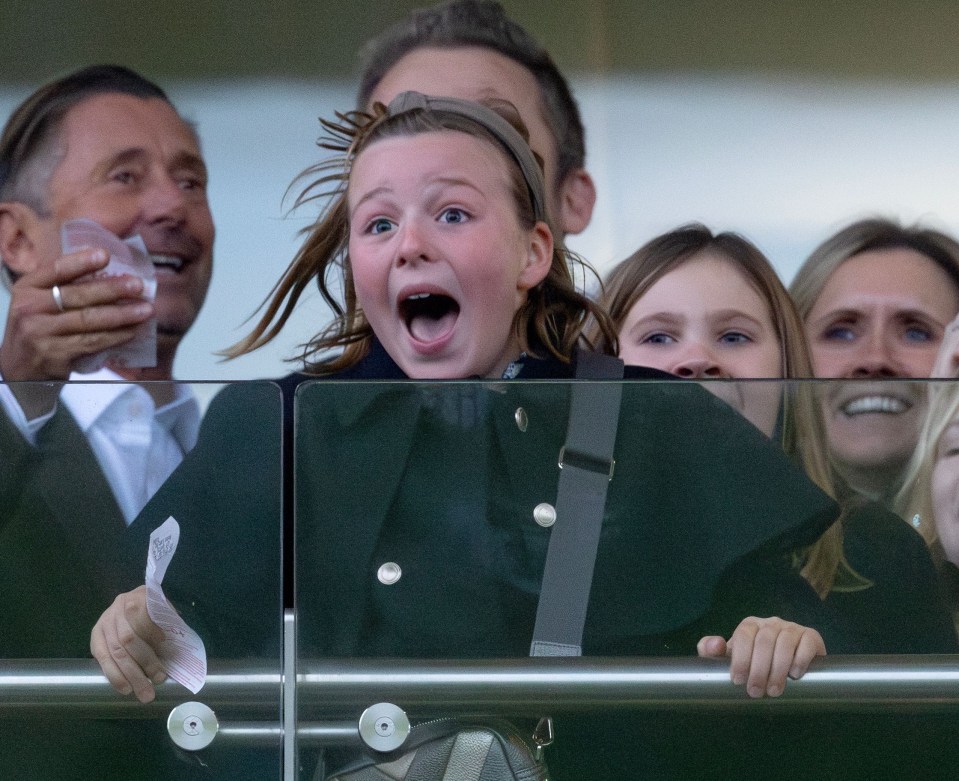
[539, 257]
[18, 247]
[577, 197]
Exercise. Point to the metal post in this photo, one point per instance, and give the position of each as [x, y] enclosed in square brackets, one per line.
[288, 726]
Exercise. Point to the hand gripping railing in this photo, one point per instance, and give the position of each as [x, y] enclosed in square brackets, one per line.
[337, 691]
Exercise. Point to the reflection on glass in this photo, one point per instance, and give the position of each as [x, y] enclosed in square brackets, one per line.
[872, 429]
[929, 496]
[67, 550]
[418, 535]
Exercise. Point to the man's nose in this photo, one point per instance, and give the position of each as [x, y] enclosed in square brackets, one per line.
[165, 200]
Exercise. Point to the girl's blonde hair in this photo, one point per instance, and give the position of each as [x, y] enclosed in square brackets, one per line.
[552, 319]
[913, 501]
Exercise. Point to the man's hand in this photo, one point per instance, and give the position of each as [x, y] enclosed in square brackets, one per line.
[42, 343]
[763, 652]
[124, 640]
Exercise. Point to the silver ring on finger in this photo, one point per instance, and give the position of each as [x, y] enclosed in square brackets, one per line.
[58, 298]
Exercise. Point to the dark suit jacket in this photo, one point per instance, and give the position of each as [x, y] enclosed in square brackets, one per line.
[65, 553]
[64, 548]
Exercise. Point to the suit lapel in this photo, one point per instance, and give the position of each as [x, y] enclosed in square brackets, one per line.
[80, 502]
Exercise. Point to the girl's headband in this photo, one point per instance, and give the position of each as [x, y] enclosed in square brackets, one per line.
[502, 130]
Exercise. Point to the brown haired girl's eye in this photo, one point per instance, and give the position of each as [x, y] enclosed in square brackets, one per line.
[453, 216]
[734, 337]
[658, 338]
[381, 225]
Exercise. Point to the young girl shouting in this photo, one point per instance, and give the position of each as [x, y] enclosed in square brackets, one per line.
[420, 522]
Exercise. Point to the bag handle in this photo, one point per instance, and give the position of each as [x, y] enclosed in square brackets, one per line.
[586, 463]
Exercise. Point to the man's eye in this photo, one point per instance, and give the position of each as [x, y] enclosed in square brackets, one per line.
[453, 216]
[191, 183]
[380, 226]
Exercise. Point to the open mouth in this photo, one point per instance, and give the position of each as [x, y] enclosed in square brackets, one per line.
[875, 405]
[429, 316]
[168, 262]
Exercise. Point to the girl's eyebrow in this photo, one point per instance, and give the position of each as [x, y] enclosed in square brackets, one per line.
[437, 183]
[665, 319]
[375, 192]
[671, 319]
[733, 314]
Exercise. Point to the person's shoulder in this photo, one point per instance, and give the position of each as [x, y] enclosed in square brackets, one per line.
[375, 365]
[876, 522]
[877, 541]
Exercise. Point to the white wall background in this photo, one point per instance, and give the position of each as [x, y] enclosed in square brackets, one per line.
[783, 162]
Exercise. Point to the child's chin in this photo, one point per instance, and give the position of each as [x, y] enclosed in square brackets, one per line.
[439, 368]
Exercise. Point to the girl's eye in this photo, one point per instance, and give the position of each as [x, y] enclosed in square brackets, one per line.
[734, 337]
[453, 216]
[382, 225]
[658, 338]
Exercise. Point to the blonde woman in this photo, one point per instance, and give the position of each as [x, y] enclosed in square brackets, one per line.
[875, 299]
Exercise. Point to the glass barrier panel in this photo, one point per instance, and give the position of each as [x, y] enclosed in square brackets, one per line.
[425, 511]
[83, 496]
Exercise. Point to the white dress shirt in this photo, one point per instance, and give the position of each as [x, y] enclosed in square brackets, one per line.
[136, 443]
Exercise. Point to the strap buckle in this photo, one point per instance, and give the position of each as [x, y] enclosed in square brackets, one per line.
[590, 464]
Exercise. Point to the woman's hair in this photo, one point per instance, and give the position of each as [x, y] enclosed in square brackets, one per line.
[913, 501]
[554, 315]
[863, 236]
[803, 430]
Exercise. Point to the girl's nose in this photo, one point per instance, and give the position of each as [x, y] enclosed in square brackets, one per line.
[697, 363]
[412, 246]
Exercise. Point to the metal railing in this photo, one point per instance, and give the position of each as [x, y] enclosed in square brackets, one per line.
[332, 694]
[337, 688]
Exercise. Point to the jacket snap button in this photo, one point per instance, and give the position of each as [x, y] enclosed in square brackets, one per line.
[389, 573]
[544, 514]
[522, 421]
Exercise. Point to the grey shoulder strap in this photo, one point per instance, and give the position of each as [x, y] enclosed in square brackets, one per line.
[586, 461]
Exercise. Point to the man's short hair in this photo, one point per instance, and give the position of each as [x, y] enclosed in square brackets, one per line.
[458, 23]
[28, 148]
